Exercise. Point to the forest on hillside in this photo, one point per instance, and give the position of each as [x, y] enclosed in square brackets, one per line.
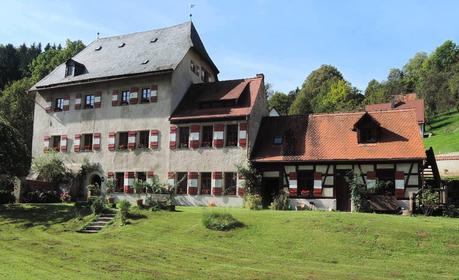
[434, 77]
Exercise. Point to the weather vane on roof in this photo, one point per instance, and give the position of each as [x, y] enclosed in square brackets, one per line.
[191, 14]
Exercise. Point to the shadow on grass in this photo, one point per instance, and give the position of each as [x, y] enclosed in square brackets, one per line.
[136, 216]
[30, 215]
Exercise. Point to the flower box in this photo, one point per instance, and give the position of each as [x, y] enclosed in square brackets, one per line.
[305, 193]
[192, 190]
[217, 191]
[292, 192]
[205, 191]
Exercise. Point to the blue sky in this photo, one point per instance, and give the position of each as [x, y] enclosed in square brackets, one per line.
[285, 40]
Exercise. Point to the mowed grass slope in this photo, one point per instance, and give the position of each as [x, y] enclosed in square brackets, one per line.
[445, 133]
[39, 242]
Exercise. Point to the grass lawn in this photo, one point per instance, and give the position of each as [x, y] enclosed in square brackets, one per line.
[445, 133]
[40, 242]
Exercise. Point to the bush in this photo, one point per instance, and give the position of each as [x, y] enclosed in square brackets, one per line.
[124, 206]
[359, 195]
[451, 211]
[280, 202]
[220, 221]
[430, 201]
[252, 201]
[49, 166]
[80, 209]
[6, 197]
[97, 205]
[41, 197]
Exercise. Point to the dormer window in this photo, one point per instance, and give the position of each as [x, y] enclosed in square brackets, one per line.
[73, 68]
[367, 129]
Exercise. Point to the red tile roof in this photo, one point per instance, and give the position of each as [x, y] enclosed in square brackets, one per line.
[408, 103]
[330, 137]
[201, 100]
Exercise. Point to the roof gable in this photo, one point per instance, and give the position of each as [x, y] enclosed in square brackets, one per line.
[137, 53]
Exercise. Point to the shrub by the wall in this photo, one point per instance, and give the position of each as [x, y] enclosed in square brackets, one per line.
[252, 201]
[220, 221]
[124, 206]
[6, 197]
[280, 202]
[41, 197]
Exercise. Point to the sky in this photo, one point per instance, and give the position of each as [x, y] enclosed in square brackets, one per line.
[285, 40]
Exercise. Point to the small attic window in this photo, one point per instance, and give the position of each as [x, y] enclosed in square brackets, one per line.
[154, 40]
[73, 68]
[368, 129]
[145, 61]
[69, 70]
[278, 140]
[98, 48]
[121, 45]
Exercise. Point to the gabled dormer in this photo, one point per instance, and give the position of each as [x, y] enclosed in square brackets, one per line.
[368, 129]
[73, 68]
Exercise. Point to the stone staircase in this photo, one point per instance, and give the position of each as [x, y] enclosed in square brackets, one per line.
[98, 224]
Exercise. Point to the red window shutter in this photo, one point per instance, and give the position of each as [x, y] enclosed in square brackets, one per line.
[242, 134]
[110, 174]
[173, 138]
[115, 98]
[97, 99]
[134, 95]
[77, 143]
[218, 135]
[194, 136]
[154, 93]
[49, 105]
[66, 103]
[154, 139]
[131, 139]
[64, 143]
[78, 102]
[317, 184]
[96, 141]
[150, 174]
[46, 143]
[111, 141]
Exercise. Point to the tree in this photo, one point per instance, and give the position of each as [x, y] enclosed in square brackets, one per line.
[281, 102]
[325, 90]
[14, 155]
[375, 93]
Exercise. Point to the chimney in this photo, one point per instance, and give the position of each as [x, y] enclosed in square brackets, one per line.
[261, 75]
[392, 101]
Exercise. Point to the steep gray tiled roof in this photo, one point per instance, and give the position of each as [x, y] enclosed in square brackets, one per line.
[163, 48]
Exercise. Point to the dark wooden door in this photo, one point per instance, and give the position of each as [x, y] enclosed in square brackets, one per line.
[270, 188]
[343, 192]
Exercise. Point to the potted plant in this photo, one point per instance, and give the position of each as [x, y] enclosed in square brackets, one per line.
[139, 187]
[109, 189]
[91, 190]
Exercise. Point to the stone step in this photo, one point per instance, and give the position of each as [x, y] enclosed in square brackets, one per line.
[105, 219]
[107, 215]
[98, 223]
[89, 231]
[91, 227]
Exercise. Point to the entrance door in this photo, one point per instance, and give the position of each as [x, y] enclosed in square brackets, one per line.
[343, 192]
[270, 188]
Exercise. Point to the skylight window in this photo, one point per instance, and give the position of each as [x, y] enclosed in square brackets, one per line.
[121, 45]
[98, 48]
[145, 61]
[278, 140]
[154, 40]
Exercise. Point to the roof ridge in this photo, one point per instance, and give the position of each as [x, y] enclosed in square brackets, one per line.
[139, 32]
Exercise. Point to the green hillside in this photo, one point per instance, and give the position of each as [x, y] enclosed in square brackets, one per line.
[40, 242]
[445, 133]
